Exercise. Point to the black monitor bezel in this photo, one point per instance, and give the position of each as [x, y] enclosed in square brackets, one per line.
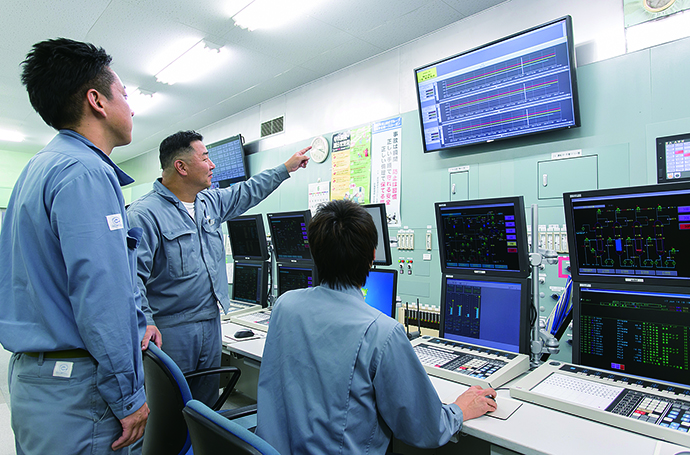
[263, 246]
[237, 138]
[383, 235]
[661, 157]
[264, 279]
[573, 77]
[292, 265]
[521, 233]
[612, 193]
[395, 288]
[525, 305]
[306, 215]
[577, 312]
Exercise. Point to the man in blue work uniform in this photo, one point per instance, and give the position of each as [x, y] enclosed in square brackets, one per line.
[338, 376]
[70, 306]
[181, 259]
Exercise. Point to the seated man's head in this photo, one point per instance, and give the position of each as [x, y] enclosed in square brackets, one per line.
[342, 239]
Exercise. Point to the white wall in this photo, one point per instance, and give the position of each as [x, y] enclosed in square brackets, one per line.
[383, 86]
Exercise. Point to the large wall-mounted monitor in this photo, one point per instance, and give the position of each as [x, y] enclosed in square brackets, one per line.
[250, 282]
[289, 235]
[383, 249]
[380, 290]
[231, 166]
[493, 313]
[295, 277]
[673, 158]
[633, 329]
[483, 237]
[630, 235]
[248, 237]
[522, 84]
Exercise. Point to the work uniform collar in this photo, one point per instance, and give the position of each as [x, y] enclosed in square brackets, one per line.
[123, 178]
[350, 290]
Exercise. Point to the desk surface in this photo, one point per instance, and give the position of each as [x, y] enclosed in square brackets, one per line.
[531, 429]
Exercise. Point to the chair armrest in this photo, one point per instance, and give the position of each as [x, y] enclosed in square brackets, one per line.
[238, 412]
[227, 389]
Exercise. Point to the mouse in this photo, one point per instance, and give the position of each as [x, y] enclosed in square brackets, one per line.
[246, 333]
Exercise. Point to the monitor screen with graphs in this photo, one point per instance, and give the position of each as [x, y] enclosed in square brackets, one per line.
[231, 166]
[630, 235]
[250, 282]
[289, 235]
[673, 158]
[248, 237]
[491, 313]
[483, 237]
[383, 249]
[295, 277]
[380, 290]
[518, 85]
[633, 329]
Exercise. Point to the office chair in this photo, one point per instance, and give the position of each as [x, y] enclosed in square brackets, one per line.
[167, 393]
[212, 434]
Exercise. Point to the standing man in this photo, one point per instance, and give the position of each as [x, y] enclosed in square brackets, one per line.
[181, 259]
[338, 376]
[70, 306]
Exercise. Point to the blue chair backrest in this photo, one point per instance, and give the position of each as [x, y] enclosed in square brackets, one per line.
[213, 434]
[167, 393]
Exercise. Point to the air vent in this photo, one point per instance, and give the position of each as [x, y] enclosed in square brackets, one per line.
[272, 127]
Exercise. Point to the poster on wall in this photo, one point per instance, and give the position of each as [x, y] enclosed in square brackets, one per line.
[639, 11]
[351, 166]
[385, 167]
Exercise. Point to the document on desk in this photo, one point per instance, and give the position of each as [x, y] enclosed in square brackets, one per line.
[448, 392]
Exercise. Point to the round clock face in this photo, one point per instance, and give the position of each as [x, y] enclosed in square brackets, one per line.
[319, 149]
[655, 6]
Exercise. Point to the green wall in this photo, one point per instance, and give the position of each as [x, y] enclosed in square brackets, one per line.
[12, 165]
[625, 103]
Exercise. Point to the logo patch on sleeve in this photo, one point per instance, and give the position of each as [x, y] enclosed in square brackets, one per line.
[115, 222]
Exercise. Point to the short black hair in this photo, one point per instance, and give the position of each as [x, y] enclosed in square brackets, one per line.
[342, 239]
[57, 74]
[175, 145]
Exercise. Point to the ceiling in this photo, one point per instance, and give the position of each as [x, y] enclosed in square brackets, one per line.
[261, 64]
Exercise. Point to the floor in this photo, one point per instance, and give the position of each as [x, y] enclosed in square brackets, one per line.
[7, 437]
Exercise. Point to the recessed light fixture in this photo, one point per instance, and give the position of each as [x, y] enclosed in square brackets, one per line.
[141, 100]
[659, 31]
[196, 61]
[11, 136]
[266, 14]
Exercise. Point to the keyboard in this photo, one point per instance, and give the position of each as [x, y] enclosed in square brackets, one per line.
[256, 319]
[652, 408]
[237, 307]
[469, 364]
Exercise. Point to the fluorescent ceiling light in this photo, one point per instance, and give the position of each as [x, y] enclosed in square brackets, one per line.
[272, 13]
[11, 136]
[659, 31]
[141, 100]
[193, 63]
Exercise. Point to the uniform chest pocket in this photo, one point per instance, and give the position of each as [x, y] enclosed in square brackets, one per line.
[213, 238]
[182, 252]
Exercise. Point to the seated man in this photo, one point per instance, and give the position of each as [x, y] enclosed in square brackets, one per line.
[337, 375]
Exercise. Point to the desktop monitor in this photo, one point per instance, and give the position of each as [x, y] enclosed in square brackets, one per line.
[493, 313]
[289, 235]
[633, 329]
[231, 166]
[295, 277]
[673, 158]
[250, 282]
[485, 237]
[383, 249]
[380, 290]
[630, 235]
[248, 238]
[522, 84]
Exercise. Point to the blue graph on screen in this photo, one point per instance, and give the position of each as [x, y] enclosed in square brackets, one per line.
[515, 87]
